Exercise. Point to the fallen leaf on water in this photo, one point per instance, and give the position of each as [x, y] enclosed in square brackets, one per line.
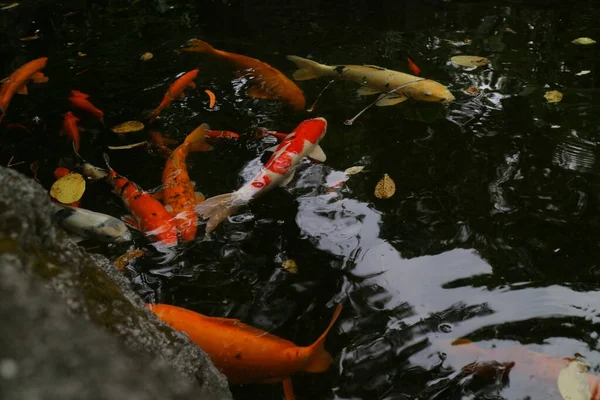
[584, 72]
[122, 261]
[127, 127]
[510, 30]
[8, 7]
[80, 54]
[211, 97]
[68, 189]
[553, 96]
[572, 381]
[354, 170]
[385, 188]
[470, 61]
[583, 40]
[146, 56]
[290, 266]
[473, 90]
[128, 146]
[28, 38]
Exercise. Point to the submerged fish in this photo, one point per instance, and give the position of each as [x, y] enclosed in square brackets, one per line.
[278, 171]
[80, 100]
[176, 90]
[86, 224]
[267, 82]
[374, 80]
[17, 82]
[69, 128]
[245, 354]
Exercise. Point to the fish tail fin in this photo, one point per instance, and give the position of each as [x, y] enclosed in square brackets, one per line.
[307, 69]
[111, 172]
[154, 114]
[198, 46]
[319, 358]
[215, 210]
[197, 139]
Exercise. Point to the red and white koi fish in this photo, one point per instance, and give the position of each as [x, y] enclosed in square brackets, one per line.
[176, 90]
[80, 100]
[150, 215]
[17, 81]
[70, 129]
[278, 171]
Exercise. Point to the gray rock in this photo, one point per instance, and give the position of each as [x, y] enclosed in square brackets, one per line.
[72, 328]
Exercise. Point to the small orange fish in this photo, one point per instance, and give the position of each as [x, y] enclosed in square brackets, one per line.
[178, 194]
[17, 81]
[278, 135]
[60, 172]
[175, 91]
[245, 354]
[267, 82]
[212, 134]
[70, 129]
[80, 100]
[413, 67]
[212, 99]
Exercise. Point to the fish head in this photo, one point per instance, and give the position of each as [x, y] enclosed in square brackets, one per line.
[312, 130]
[429, 91]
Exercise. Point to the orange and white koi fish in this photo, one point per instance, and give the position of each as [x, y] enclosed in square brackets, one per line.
[267, 82]
[150, 216]
[178, 191]
[69, 128]
[245, 354]
[176, 90]
[80, 100]
[17, 81]
[278, 171]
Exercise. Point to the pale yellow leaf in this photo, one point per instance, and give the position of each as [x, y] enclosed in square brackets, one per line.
[28, 38]
[584, 72]
[583, 40]
[80, 54]
[385, 188]
[470, 61]
[354, 170]
[146, 56]
[473, 90]
[128, 146]
[127, 127]
[8, 7]
[572, 381]
[290, 266]
[68, 189]
[553, 96]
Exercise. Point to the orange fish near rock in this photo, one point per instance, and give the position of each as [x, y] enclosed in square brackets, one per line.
[69, 128]
[80, 100]
[246, 354]
[17, 81]
[267, 82]
[176, 90]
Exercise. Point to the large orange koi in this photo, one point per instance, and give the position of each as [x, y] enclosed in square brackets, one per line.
[267, 82]
[246, 354]
[175, 91]
[17, 81]
[69, 128]
[80, 100]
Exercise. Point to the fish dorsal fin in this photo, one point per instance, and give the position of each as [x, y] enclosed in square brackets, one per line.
[39, 77]
[317, 154]
[239, 325]
[288, 179]
[192, 85]
[390, 101]
[22, 89]
[377, 67]
[366, 91]
[257, 92]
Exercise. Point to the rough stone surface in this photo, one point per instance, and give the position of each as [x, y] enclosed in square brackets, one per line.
[72, 328]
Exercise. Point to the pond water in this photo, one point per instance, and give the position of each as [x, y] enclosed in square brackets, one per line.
[492, 234]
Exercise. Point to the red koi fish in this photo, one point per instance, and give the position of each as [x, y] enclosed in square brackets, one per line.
[80, 100]
[245, 354]
[267, 82]
[278, 171]
[17, 81]
[149, 214]
[70, 129]
[212, 135]
[413, 67]
[178, 191]
[175, 91]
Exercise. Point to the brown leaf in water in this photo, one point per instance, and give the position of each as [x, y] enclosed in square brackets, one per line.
[473, 90]
[385, 188]
[127, 127]
[8, 7]
[354, 170]
[124, 259]
[80, 54]
[28, 38]
[290, 266]
[146, 56]
[553, 96]
[68, 189]
[128, 146]
[470, 61]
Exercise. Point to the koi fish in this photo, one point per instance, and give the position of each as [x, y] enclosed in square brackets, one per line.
[86, 224]
[17, 81]
[80, 100]
[213, 134]
[413, 67]
[267, 82]
[245, 354]
[278, 171]
[178, 191]
[70, 129]
[149, 215]
[176, 90]
[374, 80]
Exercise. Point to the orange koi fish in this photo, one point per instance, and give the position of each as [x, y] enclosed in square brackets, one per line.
[150, 215]
[178, 191]
[80, 100]
[267, 82]
[70, 129]
[17, 81]
[213, 134]
[245, 354]
[175, 91]
[413, 67]
[60, 172]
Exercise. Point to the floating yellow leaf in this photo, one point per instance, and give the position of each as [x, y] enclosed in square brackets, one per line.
[124, 259]
[572, 381]
[127, 127]
[553, 96]
[354, 170]
[28, 38]
[146, 56]
[8, 7]
[473, 90]
[470, 61]
[128, 146]
[584, 72]
[290, 266]
[583, 40]
[385, 187]
[68, 189]
[80, 54]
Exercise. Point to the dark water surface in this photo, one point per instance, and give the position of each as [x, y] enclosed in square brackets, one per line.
[492, 234]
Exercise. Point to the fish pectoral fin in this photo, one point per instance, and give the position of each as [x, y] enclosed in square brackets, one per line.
[317, 154]
[76, 238]
[22, 89]
[181, 95]
[192, 85]
[288, 389]
[288, 179]
[366, 91]
[158, 195]
[390, 101]
[129, 220]
[39, 77]
[199, 197]
[377, 67]
[257, 92]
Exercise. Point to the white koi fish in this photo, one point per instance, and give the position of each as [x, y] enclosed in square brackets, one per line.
[86, 224]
